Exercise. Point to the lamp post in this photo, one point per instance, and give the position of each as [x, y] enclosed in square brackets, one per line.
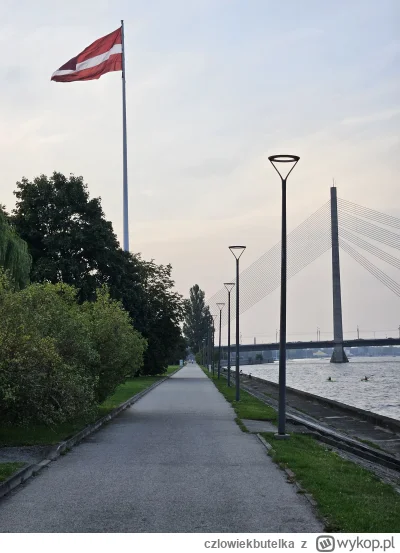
[229, 286]
[213, 344]
[220, 307]
[237, 252]
[282, 335]
[209, 342]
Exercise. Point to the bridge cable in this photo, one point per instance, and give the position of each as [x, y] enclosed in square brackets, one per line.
[355, 240]
[310, 231]
[275, 268]
[370, 267]
[350, 222]
[365, 212]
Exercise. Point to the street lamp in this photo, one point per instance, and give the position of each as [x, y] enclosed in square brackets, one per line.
[237, 252]
[213, 344]
[229, 286]
[220, 307]
[282, 334]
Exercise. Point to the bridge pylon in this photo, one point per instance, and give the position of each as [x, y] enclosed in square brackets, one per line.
[338, 354]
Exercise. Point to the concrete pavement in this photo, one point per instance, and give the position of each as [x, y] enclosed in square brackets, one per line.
[174, 462]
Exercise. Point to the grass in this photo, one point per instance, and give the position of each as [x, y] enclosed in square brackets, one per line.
[45, 435]
[249, 407]
[7, 469]
[349, 497]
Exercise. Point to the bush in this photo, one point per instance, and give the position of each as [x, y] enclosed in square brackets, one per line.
[119, 345]
[58, 358]
[47, 360]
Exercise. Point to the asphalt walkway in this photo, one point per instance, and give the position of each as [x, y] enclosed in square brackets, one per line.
[174, 462]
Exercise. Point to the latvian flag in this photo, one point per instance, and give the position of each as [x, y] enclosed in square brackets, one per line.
[103, 56]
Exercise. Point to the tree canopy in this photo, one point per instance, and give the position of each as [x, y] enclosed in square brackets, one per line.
[197, 318]
[14, 255]
[71, 242]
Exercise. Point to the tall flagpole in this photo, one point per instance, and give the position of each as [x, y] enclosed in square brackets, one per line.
[125, 149]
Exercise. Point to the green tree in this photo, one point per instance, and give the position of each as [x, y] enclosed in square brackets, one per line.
[197, 319]
[71, 242]
[14, 255]
[163, 310]
[69, 239]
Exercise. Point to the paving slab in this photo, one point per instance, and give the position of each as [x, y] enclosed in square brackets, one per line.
[174, 462]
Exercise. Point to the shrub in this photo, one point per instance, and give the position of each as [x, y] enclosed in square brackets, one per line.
[119, 345]
[59, 358]
[47, 361]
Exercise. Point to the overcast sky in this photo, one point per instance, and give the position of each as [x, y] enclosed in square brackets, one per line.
[213, 88]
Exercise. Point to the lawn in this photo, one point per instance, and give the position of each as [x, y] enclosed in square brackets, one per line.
[249, 407]
[349, 497]
[45, 435]
[7, 469]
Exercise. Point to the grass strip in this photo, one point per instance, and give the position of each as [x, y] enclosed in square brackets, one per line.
[45, 435]
[8, 469]
[349, 497]
[249, 407]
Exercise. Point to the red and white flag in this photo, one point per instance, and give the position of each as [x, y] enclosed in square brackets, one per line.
[103, 56]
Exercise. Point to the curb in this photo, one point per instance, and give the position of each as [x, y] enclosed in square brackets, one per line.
[334, 438]
[374, 418]
[31, 470]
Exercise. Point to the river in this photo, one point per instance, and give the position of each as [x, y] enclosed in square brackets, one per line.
[380, 394]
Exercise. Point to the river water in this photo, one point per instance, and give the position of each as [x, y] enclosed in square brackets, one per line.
[381, 394]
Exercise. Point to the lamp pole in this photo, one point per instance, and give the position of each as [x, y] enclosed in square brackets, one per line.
[220, 307]
[229, 286]
[237, 252]
[209, 342]
[282, 335]
[213, 344]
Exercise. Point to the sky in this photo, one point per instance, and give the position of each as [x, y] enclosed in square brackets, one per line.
[213, 88]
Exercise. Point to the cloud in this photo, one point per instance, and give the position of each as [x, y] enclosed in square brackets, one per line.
[213, 88]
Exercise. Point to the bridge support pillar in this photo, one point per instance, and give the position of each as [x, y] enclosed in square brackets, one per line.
[338, 354]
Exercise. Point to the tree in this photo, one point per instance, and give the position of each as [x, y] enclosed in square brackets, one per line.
[197, 319]
[14, 255]
[162, 313]
[71, 242]
[69, 239]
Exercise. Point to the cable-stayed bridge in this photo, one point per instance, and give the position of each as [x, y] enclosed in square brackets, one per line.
[337, 225]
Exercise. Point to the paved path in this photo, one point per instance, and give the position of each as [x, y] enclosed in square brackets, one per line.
[174, 462]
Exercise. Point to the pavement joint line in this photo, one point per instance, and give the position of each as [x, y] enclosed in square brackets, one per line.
[21, 476]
